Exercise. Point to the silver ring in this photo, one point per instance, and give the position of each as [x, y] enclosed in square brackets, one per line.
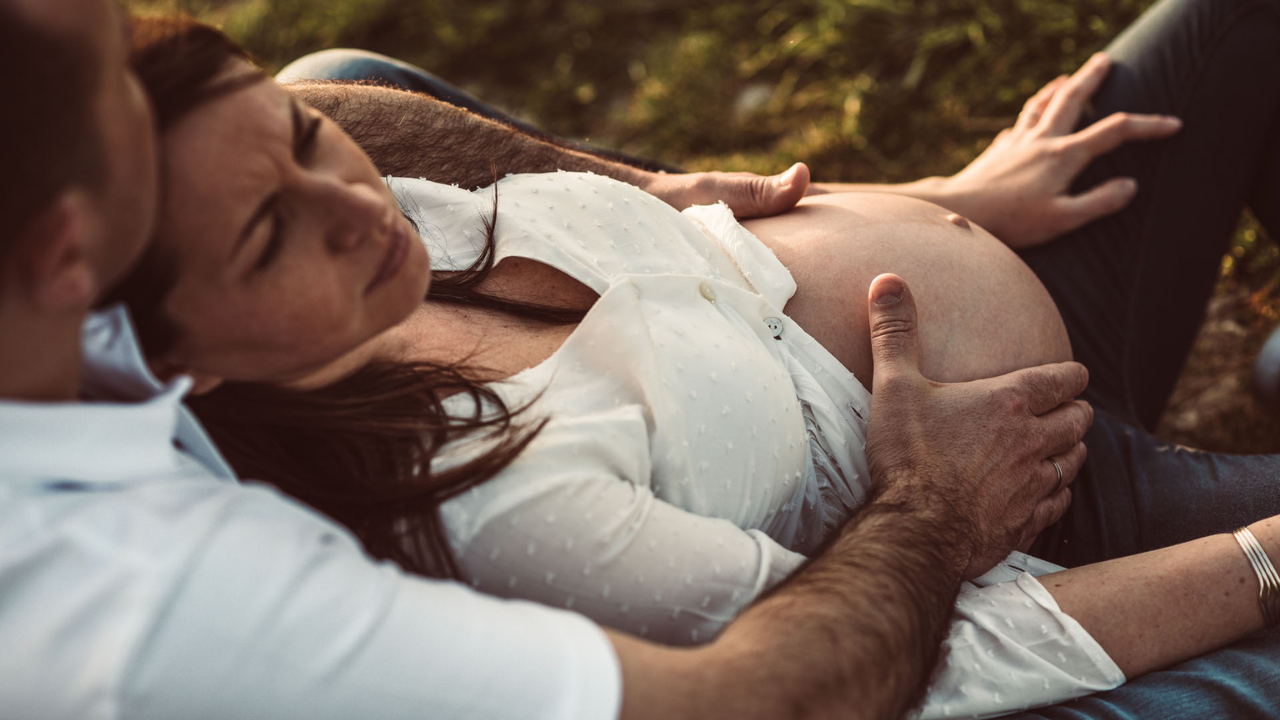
[1057, 467]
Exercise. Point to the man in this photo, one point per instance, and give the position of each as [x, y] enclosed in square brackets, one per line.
[137, 579]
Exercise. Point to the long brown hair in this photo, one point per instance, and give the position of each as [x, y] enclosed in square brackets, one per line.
[363, 450]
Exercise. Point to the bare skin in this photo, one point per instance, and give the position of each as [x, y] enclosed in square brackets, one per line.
[982, 311]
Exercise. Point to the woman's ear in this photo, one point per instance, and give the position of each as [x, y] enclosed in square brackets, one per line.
[166, 369]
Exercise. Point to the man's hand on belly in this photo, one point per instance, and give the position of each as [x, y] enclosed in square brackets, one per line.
[977, 456]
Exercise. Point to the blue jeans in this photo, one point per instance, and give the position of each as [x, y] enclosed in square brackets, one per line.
[1132, 290]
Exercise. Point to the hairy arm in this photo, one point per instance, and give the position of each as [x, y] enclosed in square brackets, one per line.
[855, 633]
[414, 135]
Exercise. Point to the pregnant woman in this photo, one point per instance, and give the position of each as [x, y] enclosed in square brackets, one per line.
[694, 437]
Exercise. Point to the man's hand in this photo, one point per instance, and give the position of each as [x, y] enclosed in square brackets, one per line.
[747, 194]
[1017, 189]
[975, 455]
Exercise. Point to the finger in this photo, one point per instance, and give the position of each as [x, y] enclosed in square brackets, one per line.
[1070, 461]
[1049, 511]
[891, 311]
[758, 196]
[1097, 202]
[1045, 387]
[1034, 107]
[1064, 109]
[1063, 428]
[1116, 129]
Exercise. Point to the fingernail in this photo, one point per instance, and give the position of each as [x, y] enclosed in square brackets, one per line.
[1174, 121]
[789, 177]
[1128, 185]
[886, 292]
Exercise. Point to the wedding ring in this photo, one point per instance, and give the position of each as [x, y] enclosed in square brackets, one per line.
[1057, 467]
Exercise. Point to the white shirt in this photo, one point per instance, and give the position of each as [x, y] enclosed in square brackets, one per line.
[699, 443]
[138, 580]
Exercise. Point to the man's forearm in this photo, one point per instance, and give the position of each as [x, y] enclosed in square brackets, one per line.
[855, 633]
[414, 135]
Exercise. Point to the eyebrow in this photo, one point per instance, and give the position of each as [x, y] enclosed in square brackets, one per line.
[303, 140]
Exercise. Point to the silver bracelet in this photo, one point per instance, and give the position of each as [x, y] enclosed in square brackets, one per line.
[1268, 578]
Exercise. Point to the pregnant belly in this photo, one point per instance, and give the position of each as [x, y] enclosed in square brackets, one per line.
[982, 312]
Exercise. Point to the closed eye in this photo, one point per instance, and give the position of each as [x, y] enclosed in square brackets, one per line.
[305, 130]
[275, 240]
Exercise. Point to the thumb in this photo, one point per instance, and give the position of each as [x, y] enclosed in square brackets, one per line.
[758, 196]
[895, 344]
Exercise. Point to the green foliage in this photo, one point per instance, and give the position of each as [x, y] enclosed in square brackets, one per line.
[861, 89]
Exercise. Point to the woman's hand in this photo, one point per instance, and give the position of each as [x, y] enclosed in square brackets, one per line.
[1018, 188]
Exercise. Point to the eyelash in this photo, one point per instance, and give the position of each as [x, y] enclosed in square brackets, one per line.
[302, 153]
[274, 242]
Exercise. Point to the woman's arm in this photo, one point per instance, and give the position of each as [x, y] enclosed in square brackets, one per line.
[1019, 188]
[1154, 609]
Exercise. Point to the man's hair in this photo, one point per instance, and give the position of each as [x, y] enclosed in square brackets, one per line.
[49, 139]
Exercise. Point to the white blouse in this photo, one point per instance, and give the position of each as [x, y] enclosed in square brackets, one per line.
[699, 443]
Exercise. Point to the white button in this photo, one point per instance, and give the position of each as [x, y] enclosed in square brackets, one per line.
[707, 291]
[775, 326]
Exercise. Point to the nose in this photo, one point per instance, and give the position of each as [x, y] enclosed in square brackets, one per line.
[352, 211]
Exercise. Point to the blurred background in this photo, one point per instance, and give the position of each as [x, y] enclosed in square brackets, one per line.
[861, 90]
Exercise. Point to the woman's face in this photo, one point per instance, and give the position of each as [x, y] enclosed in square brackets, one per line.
[290, 253]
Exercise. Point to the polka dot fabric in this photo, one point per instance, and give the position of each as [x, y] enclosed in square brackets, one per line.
[699, 444]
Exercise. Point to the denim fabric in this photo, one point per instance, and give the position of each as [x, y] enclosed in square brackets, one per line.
[1132, 289]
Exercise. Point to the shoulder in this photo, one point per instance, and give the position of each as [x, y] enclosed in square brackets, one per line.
[169, 594]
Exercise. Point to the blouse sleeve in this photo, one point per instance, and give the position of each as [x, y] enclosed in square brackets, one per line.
[1011, 648]
[574, 524]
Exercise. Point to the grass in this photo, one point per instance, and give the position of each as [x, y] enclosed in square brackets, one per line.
[862, 90]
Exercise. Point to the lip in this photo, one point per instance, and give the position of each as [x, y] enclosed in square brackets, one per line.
[397, 250]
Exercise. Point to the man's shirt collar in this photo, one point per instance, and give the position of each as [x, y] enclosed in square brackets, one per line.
[129, 425]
